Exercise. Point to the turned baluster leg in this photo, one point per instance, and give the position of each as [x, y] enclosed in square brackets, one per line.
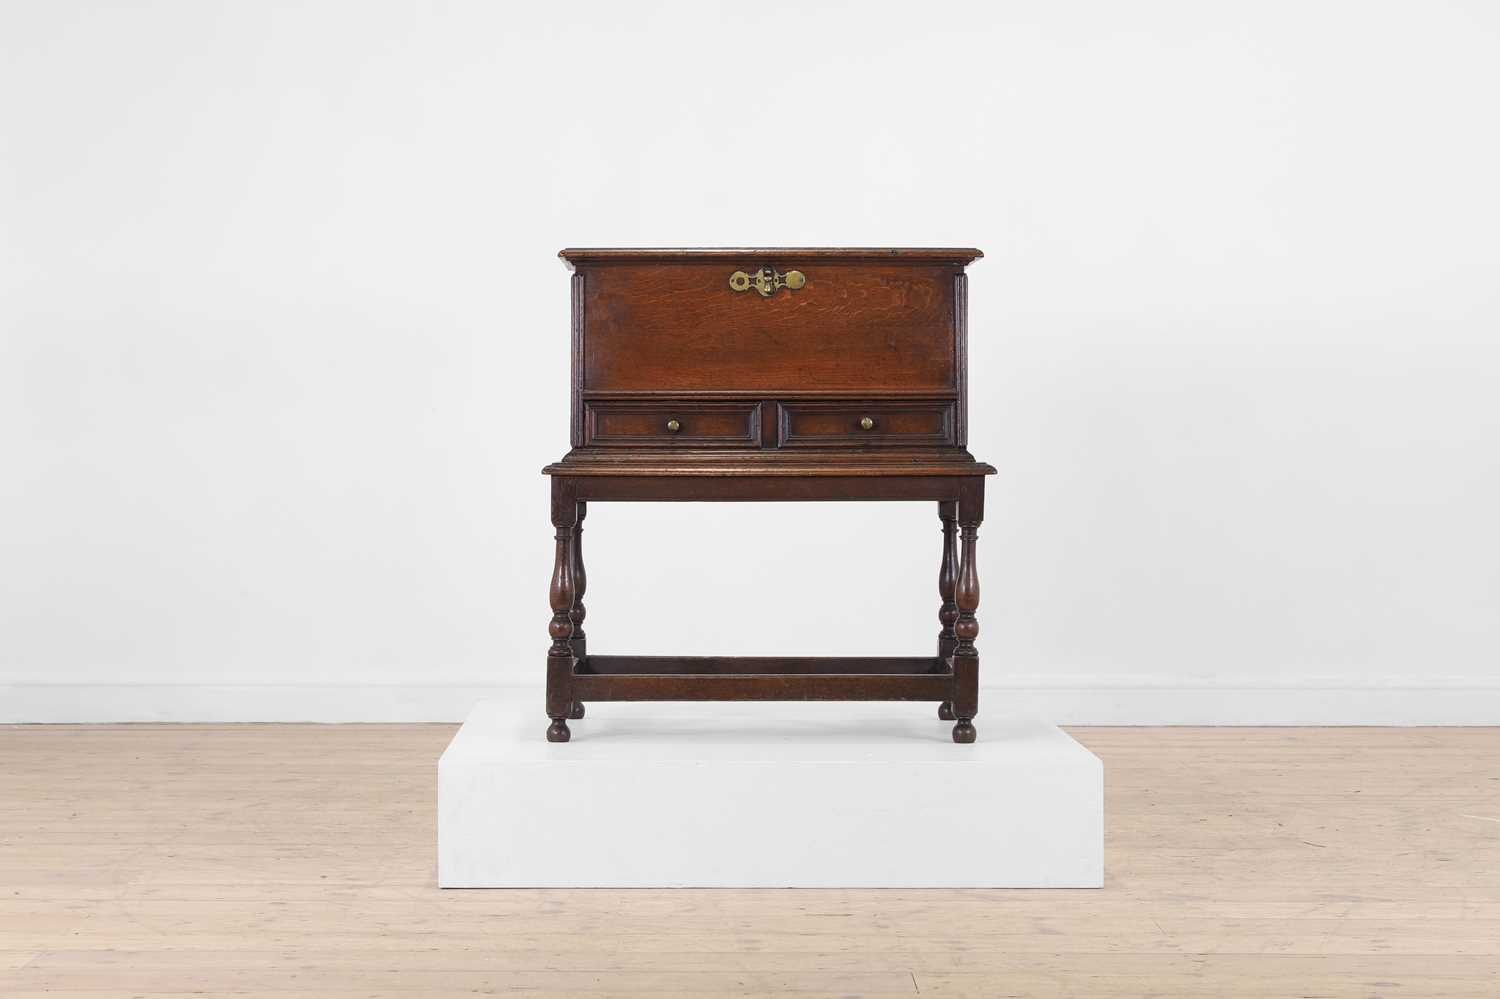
[947, 580]
[966, 628]
[561, 595]
[579, 641]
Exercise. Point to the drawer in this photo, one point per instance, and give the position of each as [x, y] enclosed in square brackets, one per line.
[672, 423]
[887, 423]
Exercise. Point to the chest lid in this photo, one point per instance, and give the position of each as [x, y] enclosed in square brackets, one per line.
[769, 320]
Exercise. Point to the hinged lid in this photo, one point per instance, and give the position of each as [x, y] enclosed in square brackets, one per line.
[957, 255]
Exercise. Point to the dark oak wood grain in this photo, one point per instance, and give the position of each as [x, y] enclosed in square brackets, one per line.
[869, 423]
[674, 423]
[585, 463]
[854, 326]
[764, 687]
[834, 375]
[771, 665]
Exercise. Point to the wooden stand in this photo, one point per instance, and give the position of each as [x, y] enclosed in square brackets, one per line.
[950, 678]
[769, 375]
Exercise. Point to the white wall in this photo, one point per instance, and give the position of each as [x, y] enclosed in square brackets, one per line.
[283, 344]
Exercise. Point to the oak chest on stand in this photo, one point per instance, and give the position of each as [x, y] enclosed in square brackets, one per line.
[769, 375]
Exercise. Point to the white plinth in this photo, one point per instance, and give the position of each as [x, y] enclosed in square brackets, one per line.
[766, 795]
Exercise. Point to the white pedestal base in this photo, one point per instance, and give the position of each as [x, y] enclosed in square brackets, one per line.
[807, 795]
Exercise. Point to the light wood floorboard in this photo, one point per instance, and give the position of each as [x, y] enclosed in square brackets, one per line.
[295, 861]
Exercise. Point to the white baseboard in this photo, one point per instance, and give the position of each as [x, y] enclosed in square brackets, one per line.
[1064, 699]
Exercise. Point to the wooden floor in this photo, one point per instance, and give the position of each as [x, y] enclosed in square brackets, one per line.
[272, 860]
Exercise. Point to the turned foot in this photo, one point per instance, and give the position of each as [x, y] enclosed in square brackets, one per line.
[945, 711]
[964, 732]
[558, 731]
[577, 711]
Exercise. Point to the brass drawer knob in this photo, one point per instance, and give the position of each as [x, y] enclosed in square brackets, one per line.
[673, 426]
[766, 281]
[866, 423]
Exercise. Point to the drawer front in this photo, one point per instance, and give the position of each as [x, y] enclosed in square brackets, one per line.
[849, 327]
[887, 423]
[658, 423]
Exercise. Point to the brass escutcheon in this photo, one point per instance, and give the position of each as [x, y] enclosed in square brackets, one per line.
[766, 281]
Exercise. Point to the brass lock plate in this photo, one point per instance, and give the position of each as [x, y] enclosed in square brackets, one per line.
[766, 281]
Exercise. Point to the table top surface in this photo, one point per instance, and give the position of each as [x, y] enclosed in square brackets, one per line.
[769, 463]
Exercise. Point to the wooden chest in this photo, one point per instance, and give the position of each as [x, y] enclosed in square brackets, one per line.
[768, 358]
[769, 375]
